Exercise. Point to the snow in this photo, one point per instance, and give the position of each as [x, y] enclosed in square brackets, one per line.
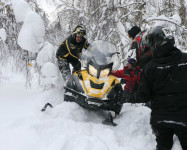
[46, 54]
[32, 32]
[3, 34]
[50, 75]
[27, 41]
[49, 70]
[122, 30]
[67, 126]
[21, 8]
[176, 18]
[185, 4]
[49, 7]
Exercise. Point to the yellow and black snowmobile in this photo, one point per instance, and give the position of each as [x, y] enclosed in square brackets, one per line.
[94, 87]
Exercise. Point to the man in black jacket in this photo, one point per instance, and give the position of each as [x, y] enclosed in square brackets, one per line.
[70, 52]
[164, 82]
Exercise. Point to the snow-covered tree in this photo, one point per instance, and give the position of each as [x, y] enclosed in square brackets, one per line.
[9, 31]
[110, 19]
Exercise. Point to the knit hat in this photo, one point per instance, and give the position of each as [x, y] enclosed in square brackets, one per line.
[134, 31]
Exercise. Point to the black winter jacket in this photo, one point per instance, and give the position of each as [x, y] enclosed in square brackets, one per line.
[164, 81]
[71, 50]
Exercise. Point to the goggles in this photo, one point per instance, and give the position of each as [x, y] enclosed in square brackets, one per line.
[80, 34]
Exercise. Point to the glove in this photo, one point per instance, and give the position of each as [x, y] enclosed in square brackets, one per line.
[124, 98]
[80, 76]
[76, 66]
[121, 97]
[123, 81]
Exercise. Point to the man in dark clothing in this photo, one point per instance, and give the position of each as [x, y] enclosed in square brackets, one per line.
[130, 74]
[143, 54]
[164, 82]
[70, 52]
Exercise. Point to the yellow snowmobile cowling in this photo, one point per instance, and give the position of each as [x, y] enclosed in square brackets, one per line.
[98, 88]
[90, 92]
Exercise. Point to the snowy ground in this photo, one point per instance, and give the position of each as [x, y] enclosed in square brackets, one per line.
[67, 126]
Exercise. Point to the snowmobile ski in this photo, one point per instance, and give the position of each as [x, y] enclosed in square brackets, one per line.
[109, 120]
[45, 106]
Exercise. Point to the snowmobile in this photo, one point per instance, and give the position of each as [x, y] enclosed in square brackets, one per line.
[94, 87]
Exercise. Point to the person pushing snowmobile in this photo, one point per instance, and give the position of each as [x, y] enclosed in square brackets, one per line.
[94, 87]
[70, 51]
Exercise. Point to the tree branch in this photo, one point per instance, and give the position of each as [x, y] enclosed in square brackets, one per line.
[162, 19]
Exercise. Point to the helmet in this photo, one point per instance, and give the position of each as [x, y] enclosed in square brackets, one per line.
[79, 31]
[132, 61]
[156, 37]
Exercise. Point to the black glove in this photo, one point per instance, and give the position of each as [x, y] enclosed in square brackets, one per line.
[124, 98]
[80, 76]
[121, 97]
[123, 81]
[76, 66]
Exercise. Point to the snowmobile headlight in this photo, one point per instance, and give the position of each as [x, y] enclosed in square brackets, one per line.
[92, 71]
[105, 72]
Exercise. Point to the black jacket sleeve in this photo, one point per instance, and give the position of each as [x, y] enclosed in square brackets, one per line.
[60, 51]
[86, 44]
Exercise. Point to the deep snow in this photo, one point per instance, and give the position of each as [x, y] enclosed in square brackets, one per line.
[67, 126]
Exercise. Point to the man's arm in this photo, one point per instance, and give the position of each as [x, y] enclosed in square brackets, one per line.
[59, 51]
[86, 44]
[119, 74]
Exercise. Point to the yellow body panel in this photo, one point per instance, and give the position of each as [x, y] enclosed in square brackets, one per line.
[98, 93]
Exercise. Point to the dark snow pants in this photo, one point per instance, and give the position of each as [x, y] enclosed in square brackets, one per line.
[164, 132]
[65, 68]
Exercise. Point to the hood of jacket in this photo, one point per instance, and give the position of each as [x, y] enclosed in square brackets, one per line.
[167, 54]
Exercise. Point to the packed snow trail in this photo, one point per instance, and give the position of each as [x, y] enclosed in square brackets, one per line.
[67, 126]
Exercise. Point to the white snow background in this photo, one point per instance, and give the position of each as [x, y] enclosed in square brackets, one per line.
[67, 126]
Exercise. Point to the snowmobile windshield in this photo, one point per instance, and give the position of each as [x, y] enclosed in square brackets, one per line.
[102, 53]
